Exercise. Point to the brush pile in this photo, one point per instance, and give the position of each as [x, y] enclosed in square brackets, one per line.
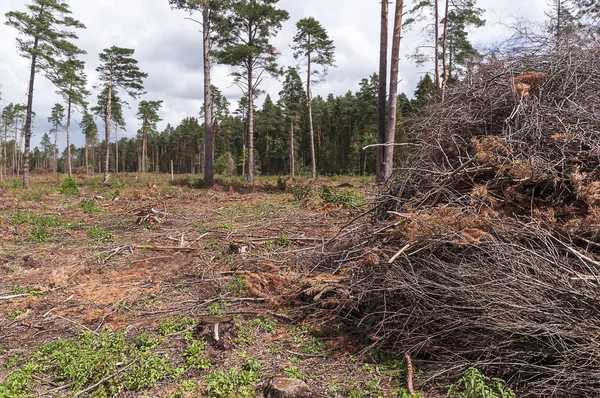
[489, 255]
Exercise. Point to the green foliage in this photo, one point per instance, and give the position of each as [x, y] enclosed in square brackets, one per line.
[244, 332]
[404, 393]
[345, 197]
[266, 324]
[69, 187]
[89, 206]
[39, 235]
[282, 240]
[474, 384]
[238, 286]
[294, 373]
[19, 383]
[100, 235]
[176, 324]
[225, 164]
[193, 355]
[281, 184]
[218, 308]
[302, 191]
[233, 383]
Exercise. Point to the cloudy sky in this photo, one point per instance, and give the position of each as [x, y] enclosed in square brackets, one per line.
[169, 48]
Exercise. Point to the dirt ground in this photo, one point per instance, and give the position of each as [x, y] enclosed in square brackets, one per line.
[135, 256]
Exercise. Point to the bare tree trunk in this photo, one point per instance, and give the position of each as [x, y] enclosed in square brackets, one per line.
[28, 115]
[292, 155]
[116, 149]
[250, 127]
[87, 167]
[382, 90]
[388, 157]
[107, 132]
[209, 151]
[444, 50]
[69, 166]
[144, 130]
[313, 159]
[14, 154]
[436, 45]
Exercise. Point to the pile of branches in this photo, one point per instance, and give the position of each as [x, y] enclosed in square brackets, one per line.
[488, 255]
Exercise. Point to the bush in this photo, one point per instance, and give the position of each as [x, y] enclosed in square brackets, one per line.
[69, 187]
[475, 384]
[346, 197]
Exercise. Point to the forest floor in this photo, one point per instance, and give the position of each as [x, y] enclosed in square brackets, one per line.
[103, 297]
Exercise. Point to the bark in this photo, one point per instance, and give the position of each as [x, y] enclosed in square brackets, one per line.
[107, 132]
[388, 156]
[28, 115]
[69, 166]
[250, 126]
[382, 90]
[116, 149]
[87, 166]
[444, 50]
[144, 130]
[209, 152]
[292, 157]
[55, 165]
[313, 159]
[436, 45]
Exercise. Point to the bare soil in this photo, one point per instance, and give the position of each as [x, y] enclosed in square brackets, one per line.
[148, 251]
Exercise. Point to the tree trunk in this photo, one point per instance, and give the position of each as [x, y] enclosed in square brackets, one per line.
[107, 132]
[116, 149]
[444, 50]
[69, 166]
[313, 159]
[382, 90]
[87, 145]
[292, 156]
[250, 126]
[144, 130]
[28, 115]
[388, 156]
[209, 151]
[436, 45]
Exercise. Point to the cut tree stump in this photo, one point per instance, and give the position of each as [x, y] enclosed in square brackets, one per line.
[285, 387]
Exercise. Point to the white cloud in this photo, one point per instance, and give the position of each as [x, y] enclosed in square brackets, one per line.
[169, 49]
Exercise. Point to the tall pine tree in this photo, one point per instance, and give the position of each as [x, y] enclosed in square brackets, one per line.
[46, 29]
[312, 45]
[118, 71]
[244, 42]
[148, 115]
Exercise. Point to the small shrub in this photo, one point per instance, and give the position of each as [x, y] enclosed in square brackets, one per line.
[184, 181]
[302, 191]
[475, 384]
[294, 373]
[193, 355]
[69, 187]
[179, 323]
[281, 184]
[345, 197]
[238, 286]
[233, 383]
[200, 183]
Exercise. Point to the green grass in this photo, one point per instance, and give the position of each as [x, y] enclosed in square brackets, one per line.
[99, 235]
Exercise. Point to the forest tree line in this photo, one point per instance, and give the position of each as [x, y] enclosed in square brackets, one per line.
[294, 133]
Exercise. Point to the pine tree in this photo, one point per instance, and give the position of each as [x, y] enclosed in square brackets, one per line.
[244, 42]
[45, 33]
[425, 91]
[293, 97]
[71, 81]
[90, 131]
[312, 44]
[211, 10]
[118, 71]
[56, 119]
[148, 115]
